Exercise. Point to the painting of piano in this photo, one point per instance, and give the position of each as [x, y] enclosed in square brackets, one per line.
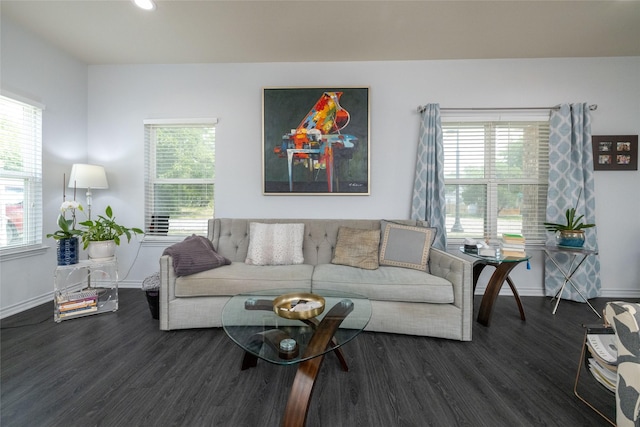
[315, 141]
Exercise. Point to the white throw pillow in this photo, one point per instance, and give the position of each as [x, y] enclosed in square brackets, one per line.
[275, 244]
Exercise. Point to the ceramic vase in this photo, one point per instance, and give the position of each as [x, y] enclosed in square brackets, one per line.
[570, 238]
[101, 249]
[67, 250]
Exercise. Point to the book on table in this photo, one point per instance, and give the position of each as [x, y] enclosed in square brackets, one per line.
[513, 245]
[513, 238]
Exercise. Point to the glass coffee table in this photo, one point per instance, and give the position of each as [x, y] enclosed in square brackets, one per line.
[251, 322]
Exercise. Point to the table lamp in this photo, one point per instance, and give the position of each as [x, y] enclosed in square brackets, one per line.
[89, 177]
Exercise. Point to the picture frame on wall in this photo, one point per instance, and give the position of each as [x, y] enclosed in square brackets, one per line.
[615, 152]
[315, 141]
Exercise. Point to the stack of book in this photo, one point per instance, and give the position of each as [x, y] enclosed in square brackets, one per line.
[603, 362]
[77, 303]
[512, 245]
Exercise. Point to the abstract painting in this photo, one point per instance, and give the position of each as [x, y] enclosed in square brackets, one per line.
[315, 141]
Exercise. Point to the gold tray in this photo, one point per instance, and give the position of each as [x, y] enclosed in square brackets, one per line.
[284, 304]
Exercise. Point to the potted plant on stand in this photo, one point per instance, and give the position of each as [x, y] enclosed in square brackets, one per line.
[570, 234]
[67, 236]
[101, 236]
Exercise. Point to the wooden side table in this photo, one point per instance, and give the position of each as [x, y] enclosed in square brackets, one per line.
[503, 267]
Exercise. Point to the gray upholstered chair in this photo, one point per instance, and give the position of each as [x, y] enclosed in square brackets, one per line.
[625, 318]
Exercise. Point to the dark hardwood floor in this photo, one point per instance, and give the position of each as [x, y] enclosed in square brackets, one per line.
[118, 369]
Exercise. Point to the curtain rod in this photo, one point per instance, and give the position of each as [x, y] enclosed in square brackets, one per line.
[421, 108]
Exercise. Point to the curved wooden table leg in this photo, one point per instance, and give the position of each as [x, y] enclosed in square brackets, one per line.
[295, 414]
[313, 322]
[477, 270]
[516, 296]
[493, 289]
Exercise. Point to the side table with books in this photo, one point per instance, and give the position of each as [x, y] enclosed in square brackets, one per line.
[600, 357]
[86, 288]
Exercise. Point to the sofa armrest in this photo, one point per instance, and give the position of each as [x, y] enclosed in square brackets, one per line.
[167, 289]
[458, 271]
[625, 319]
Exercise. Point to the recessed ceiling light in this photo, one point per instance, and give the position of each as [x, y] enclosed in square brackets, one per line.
[145, 4]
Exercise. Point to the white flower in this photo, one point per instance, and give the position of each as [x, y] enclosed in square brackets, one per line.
[71, 204]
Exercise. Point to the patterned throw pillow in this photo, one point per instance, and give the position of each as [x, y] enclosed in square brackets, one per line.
[357, 248]
[275, 244]
[405, 246]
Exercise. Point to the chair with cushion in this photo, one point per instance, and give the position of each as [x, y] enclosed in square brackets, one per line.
[624, 317]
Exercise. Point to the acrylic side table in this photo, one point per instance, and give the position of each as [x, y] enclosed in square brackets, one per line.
[86, 288]
[576, 254]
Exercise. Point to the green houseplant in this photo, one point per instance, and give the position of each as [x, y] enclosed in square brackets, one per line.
[104, 229]
[572, 224]
[67, 226]
[67, 235]
[572, 233]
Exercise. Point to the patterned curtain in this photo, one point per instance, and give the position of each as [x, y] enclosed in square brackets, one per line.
[571, 184]
[428, 201]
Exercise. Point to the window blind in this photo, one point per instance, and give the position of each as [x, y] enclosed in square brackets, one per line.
[179, 184]
[496, 178]
[20, 174]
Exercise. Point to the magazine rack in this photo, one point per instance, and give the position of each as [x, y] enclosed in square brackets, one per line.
[584, 360]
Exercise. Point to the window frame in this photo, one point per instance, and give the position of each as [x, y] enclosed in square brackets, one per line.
[31, 176]
[490, 181]
[150, 173]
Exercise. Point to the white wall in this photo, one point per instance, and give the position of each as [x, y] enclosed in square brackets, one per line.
[121, 97]
[33, 69]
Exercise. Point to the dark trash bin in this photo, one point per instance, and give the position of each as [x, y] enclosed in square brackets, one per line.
[151, 287]
[153, 299]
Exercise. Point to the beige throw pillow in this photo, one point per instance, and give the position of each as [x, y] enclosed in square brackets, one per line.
[275, 244]
[357, 248]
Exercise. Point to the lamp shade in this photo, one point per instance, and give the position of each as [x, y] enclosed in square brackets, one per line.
[88, 176]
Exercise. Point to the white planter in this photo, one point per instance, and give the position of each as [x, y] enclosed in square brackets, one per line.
[101, 250]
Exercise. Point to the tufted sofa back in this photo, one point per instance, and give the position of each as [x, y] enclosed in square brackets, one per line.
[230, 236]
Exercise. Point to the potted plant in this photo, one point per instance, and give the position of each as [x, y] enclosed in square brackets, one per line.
[102, 235]
[572, 233]
[67, 235]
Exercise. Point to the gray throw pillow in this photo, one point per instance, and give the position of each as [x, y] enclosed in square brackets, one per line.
[405, 246]
[193, 255]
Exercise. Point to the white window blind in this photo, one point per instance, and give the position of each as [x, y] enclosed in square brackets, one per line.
[496, 178]
[179, 185]
[20, 174]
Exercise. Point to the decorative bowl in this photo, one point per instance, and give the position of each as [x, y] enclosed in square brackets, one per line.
[298, 305]
[570, 238]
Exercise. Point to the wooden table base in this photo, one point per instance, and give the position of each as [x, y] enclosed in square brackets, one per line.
[295, 414]
[493, 288]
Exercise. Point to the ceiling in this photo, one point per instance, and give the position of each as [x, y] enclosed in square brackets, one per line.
[211, 31]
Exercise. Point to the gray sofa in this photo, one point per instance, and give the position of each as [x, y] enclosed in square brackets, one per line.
[404, 300]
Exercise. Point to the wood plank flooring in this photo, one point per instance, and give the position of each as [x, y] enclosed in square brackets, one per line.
[118, 369]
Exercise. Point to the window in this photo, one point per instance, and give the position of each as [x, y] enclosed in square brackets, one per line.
[180, 157]
[496, 178]
[20, 174]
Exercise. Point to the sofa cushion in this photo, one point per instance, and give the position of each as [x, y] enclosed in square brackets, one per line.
[275, 244]
[193, 255]
[357, 248]
[384, 284]
[240, 278]
[405, 246]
